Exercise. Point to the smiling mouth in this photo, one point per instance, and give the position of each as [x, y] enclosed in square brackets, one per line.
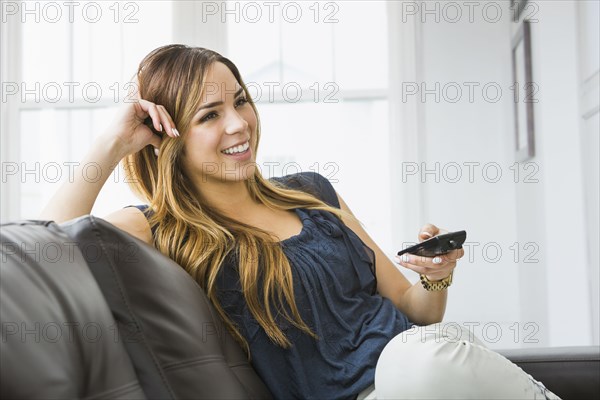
[242, 148]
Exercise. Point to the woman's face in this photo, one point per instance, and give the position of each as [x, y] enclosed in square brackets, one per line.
[219, 145]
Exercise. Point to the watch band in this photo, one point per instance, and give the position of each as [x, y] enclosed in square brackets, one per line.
[436, 286]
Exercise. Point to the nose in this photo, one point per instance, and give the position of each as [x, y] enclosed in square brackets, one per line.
[235, 123]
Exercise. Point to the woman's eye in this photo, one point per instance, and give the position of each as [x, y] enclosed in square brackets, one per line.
[241, 101]
[209, 116]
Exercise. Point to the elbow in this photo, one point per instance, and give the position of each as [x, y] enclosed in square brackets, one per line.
[436, 319]
[429, 320]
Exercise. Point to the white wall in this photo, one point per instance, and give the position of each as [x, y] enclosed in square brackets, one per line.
[473, 130]
[558, 140]
[589, 84]
[541, 295]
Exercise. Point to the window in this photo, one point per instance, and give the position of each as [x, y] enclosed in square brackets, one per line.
[71, 74]
[318, 73]
[317, 70]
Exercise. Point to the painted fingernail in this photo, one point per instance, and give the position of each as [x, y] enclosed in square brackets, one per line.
[160, 127]
[437, 260]
[156, 151]
[175, 132]
[405, 257]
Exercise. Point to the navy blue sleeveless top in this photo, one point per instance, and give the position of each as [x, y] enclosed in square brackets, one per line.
[335, 292]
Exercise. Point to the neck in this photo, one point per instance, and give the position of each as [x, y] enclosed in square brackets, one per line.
[231, 198]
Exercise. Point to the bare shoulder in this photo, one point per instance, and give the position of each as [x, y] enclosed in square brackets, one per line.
[132, 221]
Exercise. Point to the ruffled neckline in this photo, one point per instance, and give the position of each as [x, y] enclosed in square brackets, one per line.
[324, 225]
[312, 220]
[305, 232]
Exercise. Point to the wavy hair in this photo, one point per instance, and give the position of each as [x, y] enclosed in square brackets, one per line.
[192, 233]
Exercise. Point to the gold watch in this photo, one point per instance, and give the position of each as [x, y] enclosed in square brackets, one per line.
[436, 286]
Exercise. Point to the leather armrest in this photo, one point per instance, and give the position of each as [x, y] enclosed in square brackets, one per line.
[569, 372]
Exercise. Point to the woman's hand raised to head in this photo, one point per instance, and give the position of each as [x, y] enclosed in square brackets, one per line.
[435, 268]
[127, 134]
[131, 131]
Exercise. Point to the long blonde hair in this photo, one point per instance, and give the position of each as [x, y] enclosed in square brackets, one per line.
[195, 235]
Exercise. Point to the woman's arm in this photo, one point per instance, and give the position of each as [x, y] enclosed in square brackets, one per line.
[127, 135]
[77, 197]
[419, 305]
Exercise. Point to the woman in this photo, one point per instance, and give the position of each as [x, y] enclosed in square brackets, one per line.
[293, 276]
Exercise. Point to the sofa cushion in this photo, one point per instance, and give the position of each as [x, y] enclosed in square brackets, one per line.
[58, 334]
[177, 342]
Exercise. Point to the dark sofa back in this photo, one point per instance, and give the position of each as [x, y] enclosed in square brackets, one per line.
[59, 339]
[176, 341]
[58, 334]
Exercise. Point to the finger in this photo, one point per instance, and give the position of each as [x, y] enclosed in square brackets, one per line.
[421, 260]
[152, 111]
[455, 255]
[156, 141]
[428, 231]
[428, 270]
[432, 265]
[168, 123]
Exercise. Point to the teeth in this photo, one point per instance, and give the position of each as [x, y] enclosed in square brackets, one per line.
[237, 149]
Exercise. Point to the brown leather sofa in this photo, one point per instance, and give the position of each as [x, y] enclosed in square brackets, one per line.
[88, 311]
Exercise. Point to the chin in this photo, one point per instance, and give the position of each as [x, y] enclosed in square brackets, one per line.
[238, 173]
[247, 171]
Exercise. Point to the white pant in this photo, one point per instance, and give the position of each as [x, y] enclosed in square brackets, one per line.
[433, 363]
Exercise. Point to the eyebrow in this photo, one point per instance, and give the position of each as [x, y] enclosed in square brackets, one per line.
[218, 103]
